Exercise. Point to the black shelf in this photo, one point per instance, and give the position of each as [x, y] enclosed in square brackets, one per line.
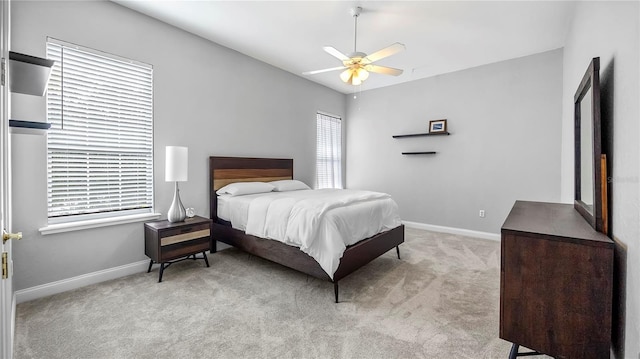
[422, 134]
[30, 124]
[29, 74]
[420, 153]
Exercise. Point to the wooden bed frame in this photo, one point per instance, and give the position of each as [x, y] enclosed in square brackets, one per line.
[225, 170]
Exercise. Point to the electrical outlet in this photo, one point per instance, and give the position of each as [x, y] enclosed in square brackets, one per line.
[481, 214]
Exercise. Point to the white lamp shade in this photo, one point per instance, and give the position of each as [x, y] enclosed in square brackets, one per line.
[346, 75]
[176, 166]
[363, 74]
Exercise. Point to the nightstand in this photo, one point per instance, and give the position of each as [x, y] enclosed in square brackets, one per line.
[166, 242]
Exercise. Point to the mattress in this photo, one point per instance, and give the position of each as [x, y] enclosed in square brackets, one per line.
[322, 223]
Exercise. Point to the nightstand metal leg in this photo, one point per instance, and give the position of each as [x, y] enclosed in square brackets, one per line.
[161, 270]
[204, 254]
[150, 264]
[398, 251]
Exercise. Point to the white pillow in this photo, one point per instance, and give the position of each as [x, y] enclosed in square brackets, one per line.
[288, 185]
[240, 188]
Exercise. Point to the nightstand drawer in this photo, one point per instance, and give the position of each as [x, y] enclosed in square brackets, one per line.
[183, 228]
[185, 248]
[183, 236]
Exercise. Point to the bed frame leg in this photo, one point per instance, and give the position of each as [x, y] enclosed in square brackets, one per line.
[398, 251]
[335, 289]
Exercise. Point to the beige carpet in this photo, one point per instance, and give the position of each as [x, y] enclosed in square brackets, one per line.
[441, 300]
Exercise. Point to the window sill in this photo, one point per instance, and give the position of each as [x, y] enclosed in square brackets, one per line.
[96, 223]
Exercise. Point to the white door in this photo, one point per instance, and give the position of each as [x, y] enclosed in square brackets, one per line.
[6, 288]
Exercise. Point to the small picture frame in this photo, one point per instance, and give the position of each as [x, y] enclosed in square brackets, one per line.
[438, 126]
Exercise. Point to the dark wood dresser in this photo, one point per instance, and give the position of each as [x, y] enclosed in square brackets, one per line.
[555, 282]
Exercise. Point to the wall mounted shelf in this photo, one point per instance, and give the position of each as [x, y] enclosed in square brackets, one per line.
[29, 74]
[422, 134]
[28, 127]
[30, 124]
[420, 153]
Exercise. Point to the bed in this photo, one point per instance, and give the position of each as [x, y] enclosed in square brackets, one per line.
[227, 170]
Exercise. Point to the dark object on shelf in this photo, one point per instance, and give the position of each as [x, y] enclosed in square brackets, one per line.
[438, 126]
[422, 134]
[28, 74]
[30, 124]
[420, 153]
[556, 276]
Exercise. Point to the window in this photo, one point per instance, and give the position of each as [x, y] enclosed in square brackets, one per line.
[328, 151]
[100, 145]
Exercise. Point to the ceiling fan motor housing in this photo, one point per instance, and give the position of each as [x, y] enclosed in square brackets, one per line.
[355, 58]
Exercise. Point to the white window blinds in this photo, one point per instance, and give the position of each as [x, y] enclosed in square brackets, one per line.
[100, 145]
[328, 151]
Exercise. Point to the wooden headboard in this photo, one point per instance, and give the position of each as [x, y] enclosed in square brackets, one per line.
[225, 170]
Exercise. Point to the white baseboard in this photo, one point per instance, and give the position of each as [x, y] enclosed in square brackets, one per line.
[24, 295]
[451, 230]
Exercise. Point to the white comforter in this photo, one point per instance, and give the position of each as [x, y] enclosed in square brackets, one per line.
[320, 222]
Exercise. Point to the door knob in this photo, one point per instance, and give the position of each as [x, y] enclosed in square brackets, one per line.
[7, 236]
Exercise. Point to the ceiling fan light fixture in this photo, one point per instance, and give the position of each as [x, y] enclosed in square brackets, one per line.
[354, 75]
[345, 76]
[362, 74]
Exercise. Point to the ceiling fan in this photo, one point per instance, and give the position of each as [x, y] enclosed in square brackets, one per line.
[357, 65]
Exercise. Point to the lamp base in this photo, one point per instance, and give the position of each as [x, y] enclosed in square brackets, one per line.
[176, 212]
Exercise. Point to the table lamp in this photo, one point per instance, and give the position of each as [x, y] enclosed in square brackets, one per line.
[176, 167]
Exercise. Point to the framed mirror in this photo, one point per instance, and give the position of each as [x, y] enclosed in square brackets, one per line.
[589, 165]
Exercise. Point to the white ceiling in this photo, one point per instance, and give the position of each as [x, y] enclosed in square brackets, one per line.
[440, 36]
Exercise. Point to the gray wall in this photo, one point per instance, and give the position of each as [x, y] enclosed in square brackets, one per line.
[211, 99]
[505, 119]
[505, 124]
[611, 30]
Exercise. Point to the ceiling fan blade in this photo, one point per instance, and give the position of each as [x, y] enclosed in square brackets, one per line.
[387, 51]
[383, 70]
[335, 53]
[324, 70]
